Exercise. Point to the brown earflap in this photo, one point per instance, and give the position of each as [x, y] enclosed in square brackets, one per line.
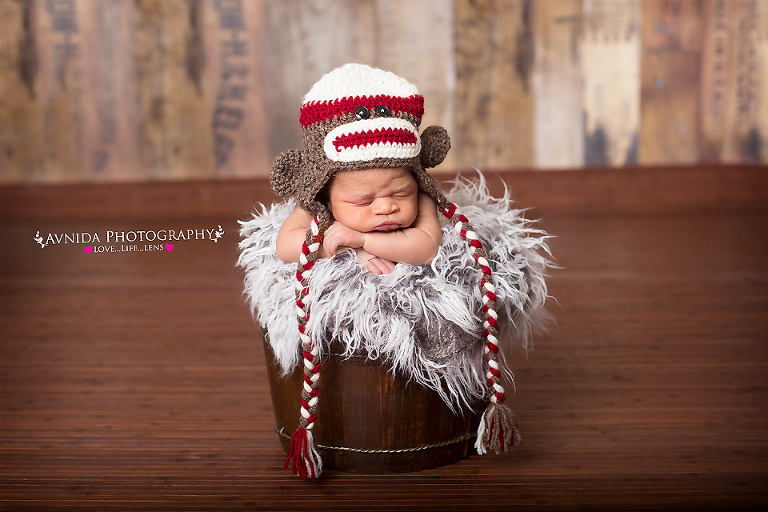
[435, 144]
[286, 173]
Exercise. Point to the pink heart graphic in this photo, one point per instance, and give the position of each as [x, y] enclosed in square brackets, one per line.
[88, 249]
[168, 247]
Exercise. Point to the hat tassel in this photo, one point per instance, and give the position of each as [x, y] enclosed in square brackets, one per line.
[498, 430]
[303, 457]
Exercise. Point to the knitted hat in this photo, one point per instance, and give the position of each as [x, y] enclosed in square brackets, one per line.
[358, 117]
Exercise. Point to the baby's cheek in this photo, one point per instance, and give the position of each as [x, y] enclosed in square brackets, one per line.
[412, 211]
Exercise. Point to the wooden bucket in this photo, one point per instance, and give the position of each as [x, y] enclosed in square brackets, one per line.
[372, 421]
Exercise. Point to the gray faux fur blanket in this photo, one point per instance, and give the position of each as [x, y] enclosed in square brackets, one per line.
[423, 321]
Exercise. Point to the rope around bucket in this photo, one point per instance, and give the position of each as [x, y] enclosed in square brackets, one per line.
[456, 440]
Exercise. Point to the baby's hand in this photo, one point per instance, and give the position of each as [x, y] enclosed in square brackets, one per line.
[374, 263]
[340, 235]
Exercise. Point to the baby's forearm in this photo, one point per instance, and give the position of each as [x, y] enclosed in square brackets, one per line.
[289, 244]
[410, 245]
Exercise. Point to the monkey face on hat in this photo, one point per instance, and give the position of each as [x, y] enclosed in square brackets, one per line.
[358, 117]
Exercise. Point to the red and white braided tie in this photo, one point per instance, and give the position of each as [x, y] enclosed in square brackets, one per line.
[303, 457]
[498, 426]
[310, 350]
[490, 325]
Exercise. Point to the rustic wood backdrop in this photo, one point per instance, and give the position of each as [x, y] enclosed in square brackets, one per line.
[129, 90]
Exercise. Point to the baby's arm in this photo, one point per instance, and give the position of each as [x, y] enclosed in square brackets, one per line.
[292, 234]
[416, 244]
[339, 235]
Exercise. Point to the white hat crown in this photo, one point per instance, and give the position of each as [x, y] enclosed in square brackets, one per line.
[356, 80]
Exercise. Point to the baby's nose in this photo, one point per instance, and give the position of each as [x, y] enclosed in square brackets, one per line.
[385, 206]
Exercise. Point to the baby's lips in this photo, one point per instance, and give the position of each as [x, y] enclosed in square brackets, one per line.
[388, 226]
[373, 138]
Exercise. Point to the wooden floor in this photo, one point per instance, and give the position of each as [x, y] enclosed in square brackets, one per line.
[136, 380]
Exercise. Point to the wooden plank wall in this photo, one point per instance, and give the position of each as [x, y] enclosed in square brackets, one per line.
[124, 90]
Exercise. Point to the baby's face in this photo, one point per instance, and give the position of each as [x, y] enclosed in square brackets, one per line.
[378, 199]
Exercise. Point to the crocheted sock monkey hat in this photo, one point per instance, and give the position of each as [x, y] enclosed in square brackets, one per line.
[358, 117]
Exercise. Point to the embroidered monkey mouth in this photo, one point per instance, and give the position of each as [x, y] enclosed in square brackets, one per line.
[391, 135]
[373, 138]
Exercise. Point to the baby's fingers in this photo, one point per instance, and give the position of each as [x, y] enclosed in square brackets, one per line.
[372, 266]
[390, 265]
[331, 246]
[379, 266]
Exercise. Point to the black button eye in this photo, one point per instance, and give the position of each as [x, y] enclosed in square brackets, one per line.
[381, 111]
[362, 112]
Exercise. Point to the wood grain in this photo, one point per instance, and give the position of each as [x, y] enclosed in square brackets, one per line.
[123, 90]
[744, 140]
[307, 40]
[761, 48]
[373, 421]
[494, 59]
[21, 127]
[234, 67]
[137, 381]
[670, 78]
[730, 78]
[61, 72]
[558, 117]
[610, 70]
[669, 108]
[111, 150]
[672, 25]
[604, 191]
[416, 41]
[174, 114]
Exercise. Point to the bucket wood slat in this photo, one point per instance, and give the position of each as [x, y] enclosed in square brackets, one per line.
[372, 421]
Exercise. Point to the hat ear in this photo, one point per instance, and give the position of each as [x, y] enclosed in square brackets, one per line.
[435, 144]
[286, 173]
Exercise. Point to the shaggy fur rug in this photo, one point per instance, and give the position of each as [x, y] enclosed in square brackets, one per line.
[423, 321]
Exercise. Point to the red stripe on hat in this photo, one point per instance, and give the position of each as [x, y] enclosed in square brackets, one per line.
[360, 139]
[317, 111]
